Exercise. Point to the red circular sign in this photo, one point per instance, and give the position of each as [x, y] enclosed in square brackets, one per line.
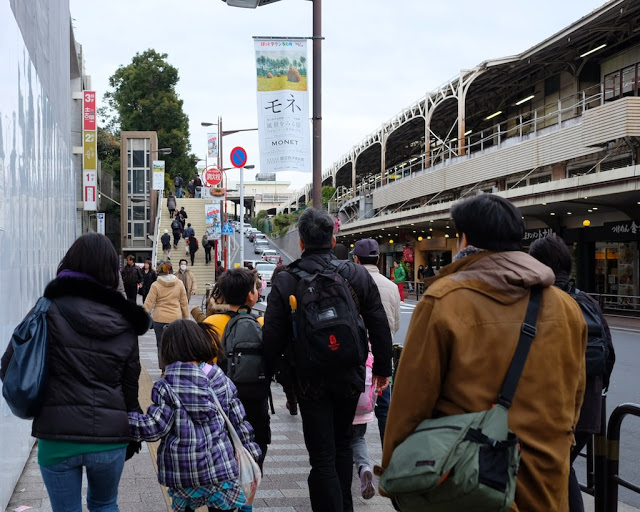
[238, 157]
[212, 176]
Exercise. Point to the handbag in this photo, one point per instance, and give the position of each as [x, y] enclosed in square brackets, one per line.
[249, 473]
[465, 461]
[26, 377]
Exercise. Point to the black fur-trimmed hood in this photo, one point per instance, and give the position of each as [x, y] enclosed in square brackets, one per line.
[66, 287]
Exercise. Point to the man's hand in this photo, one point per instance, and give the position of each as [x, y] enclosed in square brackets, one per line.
[381, 383]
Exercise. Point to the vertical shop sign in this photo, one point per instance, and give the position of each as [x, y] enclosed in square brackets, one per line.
[89, 152]
[283, 105]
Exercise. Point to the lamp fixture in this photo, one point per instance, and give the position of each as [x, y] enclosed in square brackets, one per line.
[468, 132]
[454, 139]
[524, 100]
[552, 213]
[419, 239]
[594, 50]
[391, 241]
[586, 223]
[493, 115]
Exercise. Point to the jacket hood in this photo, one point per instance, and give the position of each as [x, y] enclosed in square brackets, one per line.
[504, 276]
[195, 394]
[167, 280]
[101, 312]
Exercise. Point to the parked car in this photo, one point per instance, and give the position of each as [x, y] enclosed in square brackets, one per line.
[265, 271]
[272, 256]
[260, 246]
[246, 263]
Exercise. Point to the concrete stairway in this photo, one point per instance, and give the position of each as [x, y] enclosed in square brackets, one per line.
[195, 210]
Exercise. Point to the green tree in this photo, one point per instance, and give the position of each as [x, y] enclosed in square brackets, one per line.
[109, 154]
[143, 98]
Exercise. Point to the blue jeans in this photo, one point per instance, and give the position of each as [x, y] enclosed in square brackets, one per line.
[179, 192]
[359, 447]
[64, 481]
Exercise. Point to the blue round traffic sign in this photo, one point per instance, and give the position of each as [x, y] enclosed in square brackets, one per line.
[238, 157]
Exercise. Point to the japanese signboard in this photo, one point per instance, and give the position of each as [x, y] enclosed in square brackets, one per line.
[212, 219]
[89, 110]
[89, 151]
[100, 223]
[212, 176]
[90, 189]
[283, 105]
[158, 175]
[212, 144]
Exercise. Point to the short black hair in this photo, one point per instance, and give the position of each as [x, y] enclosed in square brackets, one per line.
[368, 260]
[180, 262]
[276, 271]
[489, 222]
[93, 254]
[315, 228]
[341, 252]
[235, 284]
[553, 252]
[218, 262]
[183, 340]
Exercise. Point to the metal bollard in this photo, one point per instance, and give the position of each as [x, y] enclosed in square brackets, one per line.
[613, 456]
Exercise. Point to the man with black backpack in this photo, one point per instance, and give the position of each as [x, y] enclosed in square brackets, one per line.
[320, 311]
[178, 182]
[242, 357]
[599, 357]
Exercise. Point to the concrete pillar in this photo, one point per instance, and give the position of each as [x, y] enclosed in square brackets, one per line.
[383, 153]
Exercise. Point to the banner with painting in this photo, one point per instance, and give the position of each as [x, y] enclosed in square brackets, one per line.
[283, 105]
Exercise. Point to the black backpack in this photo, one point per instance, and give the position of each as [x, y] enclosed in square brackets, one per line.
[176, 225]
[177, 181]
[597, 349]
[243, 349]
[329, 333]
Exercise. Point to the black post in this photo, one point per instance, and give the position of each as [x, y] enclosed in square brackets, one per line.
[600, 461]
[316, 194]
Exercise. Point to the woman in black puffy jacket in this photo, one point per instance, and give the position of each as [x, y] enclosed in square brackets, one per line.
[94, 367]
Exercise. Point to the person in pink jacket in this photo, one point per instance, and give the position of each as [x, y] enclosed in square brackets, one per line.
[364, 415]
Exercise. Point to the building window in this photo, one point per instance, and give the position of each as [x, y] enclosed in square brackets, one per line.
[612, 86]
[629, 81]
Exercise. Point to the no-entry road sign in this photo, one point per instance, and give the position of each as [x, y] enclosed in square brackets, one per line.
[212, 176]
[238, 157]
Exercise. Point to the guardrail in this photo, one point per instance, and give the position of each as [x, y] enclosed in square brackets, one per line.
[629, 304]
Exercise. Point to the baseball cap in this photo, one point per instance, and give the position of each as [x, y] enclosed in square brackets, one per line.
[166, 230]
[366, 248]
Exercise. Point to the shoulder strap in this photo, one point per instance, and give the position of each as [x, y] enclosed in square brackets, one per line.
[527, 333]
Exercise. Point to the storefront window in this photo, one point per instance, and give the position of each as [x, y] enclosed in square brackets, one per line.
[617, 272]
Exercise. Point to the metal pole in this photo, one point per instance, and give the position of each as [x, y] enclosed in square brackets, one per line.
[223, 238]
[241, 217]
[317, 104]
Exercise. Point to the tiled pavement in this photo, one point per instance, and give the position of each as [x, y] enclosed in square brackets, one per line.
[283, 488]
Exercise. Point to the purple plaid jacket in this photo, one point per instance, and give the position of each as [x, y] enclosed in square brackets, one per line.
[196, 449]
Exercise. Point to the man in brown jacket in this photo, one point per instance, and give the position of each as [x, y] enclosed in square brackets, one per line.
[463, 335]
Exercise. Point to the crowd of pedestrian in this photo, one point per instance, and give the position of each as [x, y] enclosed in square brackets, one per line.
[327, 338]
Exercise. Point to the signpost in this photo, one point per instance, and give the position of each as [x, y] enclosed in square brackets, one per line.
[238, 157]
[212, 176]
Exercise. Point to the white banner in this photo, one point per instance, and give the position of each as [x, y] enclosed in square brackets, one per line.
[100, 227]
[90, 190]
[158, 175]
[283, 105]
[212, 145]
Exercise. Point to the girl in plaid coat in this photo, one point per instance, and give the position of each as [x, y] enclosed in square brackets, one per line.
[196, 460]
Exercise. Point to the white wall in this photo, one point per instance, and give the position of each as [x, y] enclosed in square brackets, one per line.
[37, 188]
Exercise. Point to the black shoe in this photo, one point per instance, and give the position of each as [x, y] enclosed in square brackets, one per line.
[293, 408]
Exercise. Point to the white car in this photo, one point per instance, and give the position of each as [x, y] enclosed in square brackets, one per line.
[260, 246]
[265, 271]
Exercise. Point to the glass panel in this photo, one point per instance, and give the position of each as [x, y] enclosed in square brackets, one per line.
[138, 213]
[628, 80]
[612, 86]
[129, 181]
[138, 229]
[138, 159]
[139, 181]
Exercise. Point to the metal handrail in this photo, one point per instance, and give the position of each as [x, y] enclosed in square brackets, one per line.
[613, 458]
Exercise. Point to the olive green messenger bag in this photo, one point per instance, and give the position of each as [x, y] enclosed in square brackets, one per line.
[467, 461]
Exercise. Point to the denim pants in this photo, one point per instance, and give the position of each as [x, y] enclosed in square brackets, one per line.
[64, 481]
[326, 424]
[158, 328]
[359, 447]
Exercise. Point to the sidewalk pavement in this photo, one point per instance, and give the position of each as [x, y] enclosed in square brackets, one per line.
[284, 485]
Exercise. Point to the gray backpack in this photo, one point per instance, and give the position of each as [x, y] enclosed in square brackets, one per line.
[243, 348]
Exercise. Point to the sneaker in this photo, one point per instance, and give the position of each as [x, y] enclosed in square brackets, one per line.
[366, 483]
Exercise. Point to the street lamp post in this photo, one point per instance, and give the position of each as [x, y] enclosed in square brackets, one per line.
[316, 192]
[221, 134]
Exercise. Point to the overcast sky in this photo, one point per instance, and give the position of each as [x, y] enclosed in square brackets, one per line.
[379, 56]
